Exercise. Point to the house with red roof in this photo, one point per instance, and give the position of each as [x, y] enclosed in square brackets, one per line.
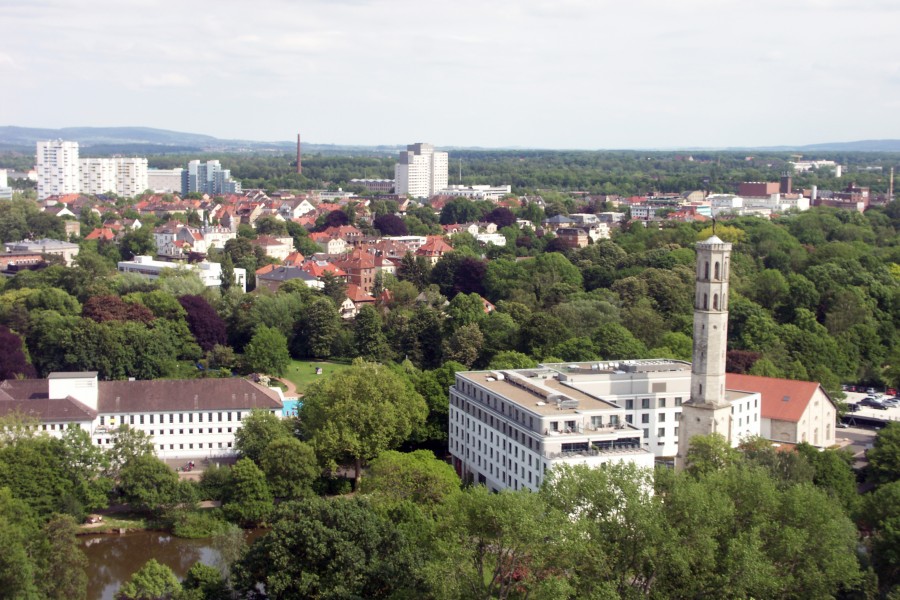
[355, 300]
[792, 411]
[434, 249]
[360, 268]
[101, 233]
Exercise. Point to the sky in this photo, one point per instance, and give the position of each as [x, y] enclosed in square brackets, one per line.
[591, 74]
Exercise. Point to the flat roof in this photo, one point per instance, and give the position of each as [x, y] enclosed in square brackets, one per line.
[72, 375]
[541, 398]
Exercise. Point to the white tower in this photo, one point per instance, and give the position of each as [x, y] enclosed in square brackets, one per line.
[57, 168]
[708, 411]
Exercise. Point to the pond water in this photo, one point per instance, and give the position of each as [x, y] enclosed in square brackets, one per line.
[113, 559]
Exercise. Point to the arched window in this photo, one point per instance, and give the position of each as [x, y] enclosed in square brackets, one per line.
[705, 302]
[717, 270]
[715, 302]
[701, 389]
[706, 270]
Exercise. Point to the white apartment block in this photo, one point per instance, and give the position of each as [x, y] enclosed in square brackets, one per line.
[120, 176]
[210, 273]
[57, 168]
[421, 172]
[164, 181]
[508, 428]
[191, 419]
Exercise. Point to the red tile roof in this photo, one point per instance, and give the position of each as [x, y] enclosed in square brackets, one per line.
[782, 399]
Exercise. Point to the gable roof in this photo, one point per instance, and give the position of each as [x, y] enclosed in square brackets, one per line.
[782, 399]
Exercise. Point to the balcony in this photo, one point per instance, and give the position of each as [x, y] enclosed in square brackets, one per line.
[593, 451]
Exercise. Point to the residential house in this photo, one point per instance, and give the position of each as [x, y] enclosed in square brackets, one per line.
[355, 300]
[277, 248]
[360, 268]
[434, 249]
[273, 276]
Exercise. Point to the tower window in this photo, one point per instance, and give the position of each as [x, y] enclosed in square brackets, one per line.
[705, 302]
[715, 302]
[706, 270]
[716, 271]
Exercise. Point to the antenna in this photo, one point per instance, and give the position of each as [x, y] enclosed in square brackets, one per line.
[891, 188]
[460, 171]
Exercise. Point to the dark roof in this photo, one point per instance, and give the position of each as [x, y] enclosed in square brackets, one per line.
[163, 395]
[159, 395]
[65, 409]
[285, 274]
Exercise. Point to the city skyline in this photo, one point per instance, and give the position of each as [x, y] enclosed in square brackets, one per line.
[572, 74]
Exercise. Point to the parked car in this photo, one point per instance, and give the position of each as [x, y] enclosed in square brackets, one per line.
[853, 407]
[891, 402]
[870, 391]
[872, 403]
[842, 425]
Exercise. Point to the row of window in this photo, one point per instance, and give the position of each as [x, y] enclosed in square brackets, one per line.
[222, 416]
[646, 402]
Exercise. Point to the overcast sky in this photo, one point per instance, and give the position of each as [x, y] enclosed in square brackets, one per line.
[492, 73]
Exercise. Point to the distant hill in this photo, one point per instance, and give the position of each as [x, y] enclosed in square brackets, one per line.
[147, 140]
[860, 146]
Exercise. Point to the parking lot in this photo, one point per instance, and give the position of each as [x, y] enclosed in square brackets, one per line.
[891, 414]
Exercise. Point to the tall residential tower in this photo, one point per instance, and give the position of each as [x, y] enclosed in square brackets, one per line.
[57, 168]
[421, 171]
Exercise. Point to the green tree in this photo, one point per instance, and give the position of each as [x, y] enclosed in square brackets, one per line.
[510, 359]
[337, 548]
[464, 345]
[62, 562]
[496, 545]
[267, 351]
[709, 453]
[417, 476]
[290, 466]
[154, 581]
[204, 582]
[248, 501]
[317, 329]
[258, 430]
[369, 340]
[358, 413]
[148, 484]
[884, 457]
[129, 444]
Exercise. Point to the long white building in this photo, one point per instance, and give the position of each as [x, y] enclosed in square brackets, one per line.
[210, 273]
[194, 418]
[57, 168]
[421, 172]
[121, 176]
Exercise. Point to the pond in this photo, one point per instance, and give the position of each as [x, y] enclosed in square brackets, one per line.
[113, 559]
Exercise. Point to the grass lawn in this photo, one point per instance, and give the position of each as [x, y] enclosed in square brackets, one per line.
[303, 372]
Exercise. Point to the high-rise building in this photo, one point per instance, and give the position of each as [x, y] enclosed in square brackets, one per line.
[122, 176]
[208, 178]
[421, 171]
[57, 168]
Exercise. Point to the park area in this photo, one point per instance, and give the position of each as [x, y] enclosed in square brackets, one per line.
[302, 373]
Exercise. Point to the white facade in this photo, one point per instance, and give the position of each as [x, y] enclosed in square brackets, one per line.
[476, 192]
[164, 181]
[210, 273]
[184, 419]
[5, 190]
[67, 250]
[98, 175]
[57, 168]
[508, 428]
[421, 172]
